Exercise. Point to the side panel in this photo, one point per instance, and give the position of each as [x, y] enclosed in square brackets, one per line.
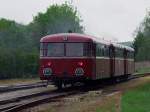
[102, 67]
[130, 66]
[119, 66]
[112, 60]
[125, 62]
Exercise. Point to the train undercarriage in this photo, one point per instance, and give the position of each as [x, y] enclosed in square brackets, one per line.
[61, 83]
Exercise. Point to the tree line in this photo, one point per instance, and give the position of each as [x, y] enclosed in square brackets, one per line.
[19, 44]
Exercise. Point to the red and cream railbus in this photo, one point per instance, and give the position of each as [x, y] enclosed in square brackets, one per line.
[70, 57]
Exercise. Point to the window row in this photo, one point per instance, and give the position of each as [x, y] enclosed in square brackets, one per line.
[82, 49]
[105, 51]
[66, 49]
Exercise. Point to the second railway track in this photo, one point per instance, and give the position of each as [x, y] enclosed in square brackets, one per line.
[21, 87]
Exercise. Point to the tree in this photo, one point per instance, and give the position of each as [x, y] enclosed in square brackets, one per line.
[142, 40]
[15, 47]
[57, 19]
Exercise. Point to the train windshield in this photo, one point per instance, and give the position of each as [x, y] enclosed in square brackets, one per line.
[65, 49]
[74, 49]
[55, 49]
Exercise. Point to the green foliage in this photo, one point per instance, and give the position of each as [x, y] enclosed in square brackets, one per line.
[57, 19]
[142, 40]
[19, 44]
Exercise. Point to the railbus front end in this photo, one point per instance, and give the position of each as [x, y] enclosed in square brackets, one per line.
[66, 59]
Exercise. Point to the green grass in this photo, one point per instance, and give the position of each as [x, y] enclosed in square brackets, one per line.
[137, 100]
[143, 70]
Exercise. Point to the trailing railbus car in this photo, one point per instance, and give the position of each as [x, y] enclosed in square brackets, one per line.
[68, 58]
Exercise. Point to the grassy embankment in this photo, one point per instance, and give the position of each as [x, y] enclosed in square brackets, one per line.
[133, 100]
[143, 70]
[137, 100]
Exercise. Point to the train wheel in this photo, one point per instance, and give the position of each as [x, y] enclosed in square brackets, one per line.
[59, 85]
[72, 84]
[126, 77]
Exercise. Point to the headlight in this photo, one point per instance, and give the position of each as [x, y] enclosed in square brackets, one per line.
[79, 72]
[47, 71]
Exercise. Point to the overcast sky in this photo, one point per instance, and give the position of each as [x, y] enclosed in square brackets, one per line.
[109, 19]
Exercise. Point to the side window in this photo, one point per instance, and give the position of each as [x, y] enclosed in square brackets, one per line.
[106, 51]
[102, 50]
[98, 50]
[130, 54]
[116, 52]
[119, 52]
[88, 49]
[43, 49]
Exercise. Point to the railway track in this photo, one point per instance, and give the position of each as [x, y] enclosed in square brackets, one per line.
[24, 102]
[21, 87]
[134, 76]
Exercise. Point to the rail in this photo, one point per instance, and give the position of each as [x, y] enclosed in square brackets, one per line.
[22, 87]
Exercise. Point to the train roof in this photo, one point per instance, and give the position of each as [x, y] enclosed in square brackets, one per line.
[76, 37]
[100, 40]
[68, 37]
[123, 46]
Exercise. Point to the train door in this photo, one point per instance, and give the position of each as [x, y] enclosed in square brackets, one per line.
[112, 60]
[94, 60]
[125, 62]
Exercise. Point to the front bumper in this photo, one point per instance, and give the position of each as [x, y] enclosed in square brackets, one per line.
[55, 78]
